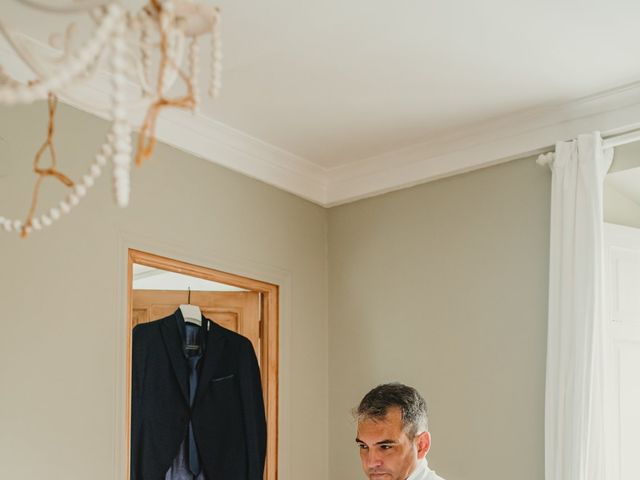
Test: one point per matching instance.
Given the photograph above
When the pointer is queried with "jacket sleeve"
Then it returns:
(253, 411)
(137, 362)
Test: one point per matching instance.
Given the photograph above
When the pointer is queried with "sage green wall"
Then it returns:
(62, 301)
(444, 286)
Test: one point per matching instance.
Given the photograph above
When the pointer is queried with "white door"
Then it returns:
(622, 315)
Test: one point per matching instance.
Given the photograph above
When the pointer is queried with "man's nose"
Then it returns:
(373, 459)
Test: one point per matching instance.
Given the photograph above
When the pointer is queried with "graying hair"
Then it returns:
(377, 402)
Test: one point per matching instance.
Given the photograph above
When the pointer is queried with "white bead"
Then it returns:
(87, 180)
(2, 219)
(123, 147)
(92, 48)
(64, 207)
(17, 225)
(122, 131)
(120, 175)
(54, 213)
(122, 196)
(95, 171)
(85, 56)
(106, 149)
(46, 221)
(35, 223)
(121, 159)
(7, 225)
(73, 199)
(101, 160)
(80, 190)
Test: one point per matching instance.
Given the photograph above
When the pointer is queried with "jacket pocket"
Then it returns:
(221, 379)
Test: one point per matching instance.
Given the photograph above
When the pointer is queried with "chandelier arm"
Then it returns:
(86, 5)
(67, 72)
(22, 51)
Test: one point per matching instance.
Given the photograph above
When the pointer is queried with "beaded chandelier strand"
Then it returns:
(128, 42)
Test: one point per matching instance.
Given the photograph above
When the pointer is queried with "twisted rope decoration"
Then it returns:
(147, 138)
(43, 173)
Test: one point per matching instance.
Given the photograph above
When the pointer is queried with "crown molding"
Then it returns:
(496, 141)
(197, 134)
(451, 152)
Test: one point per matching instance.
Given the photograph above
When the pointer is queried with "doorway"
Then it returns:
(156, 287)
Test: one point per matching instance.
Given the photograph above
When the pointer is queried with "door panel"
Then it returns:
(237, 311)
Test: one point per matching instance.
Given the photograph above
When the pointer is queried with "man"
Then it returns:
(392, 434)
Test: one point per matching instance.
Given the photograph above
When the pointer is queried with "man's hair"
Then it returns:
(376, 403)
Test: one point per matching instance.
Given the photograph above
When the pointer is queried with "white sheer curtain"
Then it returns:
(574, 409)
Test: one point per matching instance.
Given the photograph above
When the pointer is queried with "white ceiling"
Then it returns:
(337, 100)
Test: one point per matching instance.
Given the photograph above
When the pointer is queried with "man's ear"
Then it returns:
(423, 442)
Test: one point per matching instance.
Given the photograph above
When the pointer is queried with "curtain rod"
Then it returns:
(617, 140)
(609, 142)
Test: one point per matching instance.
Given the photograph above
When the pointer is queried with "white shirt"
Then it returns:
(422, 472)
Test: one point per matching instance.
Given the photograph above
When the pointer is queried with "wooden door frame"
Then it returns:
(269, 340)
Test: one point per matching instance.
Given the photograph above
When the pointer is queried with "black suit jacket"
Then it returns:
(227, 415)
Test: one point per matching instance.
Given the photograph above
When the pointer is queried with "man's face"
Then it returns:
(386, 452)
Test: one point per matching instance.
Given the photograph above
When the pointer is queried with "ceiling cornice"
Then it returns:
(466, 149)
(495, 141)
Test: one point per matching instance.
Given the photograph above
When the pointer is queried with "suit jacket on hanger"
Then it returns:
(228, 412)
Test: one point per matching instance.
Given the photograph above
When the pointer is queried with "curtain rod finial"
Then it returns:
(545, 159)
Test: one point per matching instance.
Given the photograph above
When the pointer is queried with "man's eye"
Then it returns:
(386, 447)
(362, 446)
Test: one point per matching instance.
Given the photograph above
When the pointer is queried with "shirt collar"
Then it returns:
(420, 471)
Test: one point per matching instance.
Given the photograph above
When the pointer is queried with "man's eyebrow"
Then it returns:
(383, 442)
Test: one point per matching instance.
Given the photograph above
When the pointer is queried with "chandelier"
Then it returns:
(155, 48)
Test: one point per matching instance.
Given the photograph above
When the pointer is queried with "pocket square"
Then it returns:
(220, 379)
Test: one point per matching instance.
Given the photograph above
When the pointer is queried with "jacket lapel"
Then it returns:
(173, 344)
(213, 356)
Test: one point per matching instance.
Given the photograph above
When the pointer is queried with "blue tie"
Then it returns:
(194, 461)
